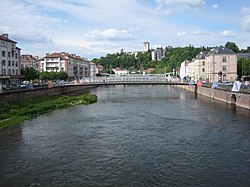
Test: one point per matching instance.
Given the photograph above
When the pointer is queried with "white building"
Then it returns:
(184, 69)
(10, 67)
(119, 71)
(157, 54)
(146, 46)
(92, 69)
(75, 66)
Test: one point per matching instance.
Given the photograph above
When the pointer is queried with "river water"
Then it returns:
(133, 136)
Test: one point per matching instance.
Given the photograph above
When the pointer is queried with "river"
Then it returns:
(133, 136)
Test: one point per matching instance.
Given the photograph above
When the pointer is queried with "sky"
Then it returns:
(93, 28)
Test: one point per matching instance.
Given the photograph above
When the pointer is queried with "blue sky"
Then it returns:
(93, 28)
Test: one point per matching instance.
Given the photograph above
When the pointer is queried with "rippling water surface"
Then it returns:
(133, 136)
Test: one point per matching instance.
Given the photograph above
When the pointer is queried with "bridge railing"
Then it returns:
(133, 78)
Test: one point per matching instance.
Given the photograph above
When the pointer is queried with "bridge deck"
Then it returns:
(138, 83)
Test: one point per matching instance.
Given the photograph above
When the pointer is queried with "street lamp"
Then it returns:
(242, 69)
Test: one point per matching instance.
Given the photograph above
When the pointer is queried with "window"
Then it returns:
(3, 44)
(3, 62)
(203, 63)
(9, 63)
(224, 68)
(3, 53)
(16, 55)
(9, 72)
(203, 69)
(13, 72)
(12, 63)
(4, 71)
(16, 72)
(224, 59)
(9, 54)
(16, 63)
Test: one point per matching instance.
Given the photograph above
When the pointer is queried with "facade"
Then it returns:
(184, 69)
(30, 61)
(157, 54)
(92, 70)
(75, 66)
(191, 70)
(147, 71)
(199, 67)
(221, 65)
(99, 69)
(146, 46)
(119, 71)
(10, 67)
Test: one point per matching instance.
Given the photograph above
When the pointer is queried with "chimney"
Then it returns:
(5, 35)
(47, 54)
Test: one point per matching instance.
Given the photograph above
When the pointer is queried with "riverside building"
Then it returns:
(75, 66)
(10, 67)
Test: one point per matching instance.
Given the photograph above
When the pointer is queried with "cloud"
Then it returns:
(215, 6)
(245, 20)
(227, 33)
(109, 35)
(184, 3)
(181, 34)
(191, 33)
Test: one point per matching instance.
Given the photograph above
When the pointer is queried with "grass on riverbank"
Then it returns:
(12, 113)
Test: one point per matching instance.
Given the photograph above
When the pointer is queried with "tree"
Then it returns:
(232, 46)
(29, 73)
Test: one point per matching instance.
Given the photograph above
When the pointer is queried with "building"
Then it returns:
(119, 71)
(10, 67)
(221, 65)
(146, 46)
(75, 66)
(99, 69)
(30, 61)
(199, 67)
(148, 71)
(184, 69)
(157, 54)
(92, 69)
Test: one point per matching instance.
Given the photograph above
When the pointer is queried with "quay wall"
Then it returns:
(26, 94)
(238, 98)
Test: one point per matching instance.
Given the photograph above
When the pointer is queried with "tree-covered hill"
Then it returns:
(173, 59)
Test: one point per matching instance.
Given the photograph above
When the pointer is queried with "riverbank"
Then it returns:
(240, 99)
(16, 112)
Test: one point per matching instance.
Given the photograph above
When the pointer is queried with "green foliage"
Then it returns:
(45, 75)
(30, 73)
(232, 46)
(16, 112)
(173, 59)
(243, 64)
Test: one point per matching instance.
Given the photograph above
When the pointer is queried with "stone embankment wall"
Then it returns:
(25, 94)
(239, 99)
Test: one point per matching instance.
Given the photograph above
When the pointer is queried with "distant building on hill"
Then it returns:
(146, 46)
(157, 54)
